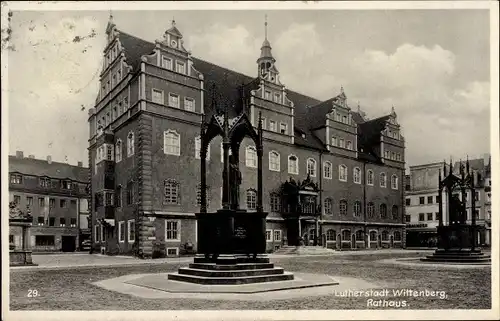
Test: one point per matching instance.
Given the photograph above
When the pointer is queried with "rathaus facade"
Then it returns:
(332, 177)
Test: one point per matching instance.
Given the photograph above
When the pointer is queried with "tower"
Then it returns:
(266, 63)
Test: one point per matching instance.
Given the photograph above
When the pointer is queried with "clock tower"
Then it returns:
(266, 62)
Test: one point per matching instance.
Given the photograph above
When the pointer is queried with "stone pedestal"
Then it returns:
(21, 254)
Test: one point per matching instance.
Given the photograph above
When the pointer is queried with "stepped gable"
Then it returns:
(230, 86)
(40, 167)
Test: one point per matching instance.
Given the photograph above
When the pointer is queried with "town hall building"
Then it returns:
(332, 177)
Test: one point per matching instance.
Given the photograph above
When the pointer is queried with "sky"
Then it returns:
(431, 65)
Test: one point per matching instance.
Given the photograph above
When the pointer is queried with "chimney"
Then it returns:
(19, 154)
(80, 164)
(49, 159)
(32, 156)
(486, 158)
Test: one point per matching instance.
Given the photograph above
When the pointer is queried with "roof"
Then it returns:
(39, 167)
(230, 88)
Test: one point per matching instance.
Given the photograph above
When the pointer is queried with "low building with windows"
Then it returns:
(332, 176)
(422, 203)
(56, 196)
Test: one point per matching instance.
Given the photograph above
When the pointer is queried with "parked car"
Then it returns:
(85, 245)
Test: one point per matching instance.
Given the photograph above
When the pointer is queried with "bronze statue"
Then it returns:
(234, 182)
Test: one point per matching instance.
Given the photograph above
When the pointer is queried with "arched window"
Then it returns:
(275, 202)
(394, 181)
(397, 236)
(346, 235)
(251, 156)
(328, 206)
(293, 165)
(130, 144)
(369, 177)
(383, 211)
(172, 143)
(357, 175)
(171, 191)
(383, 180)
(360, 235)
(311, 167)
(373, 236)
(118, 150)
(251, 199)
(343, 173)
(385, 236)
(274, 161)
(197, 149)
(357, 208)
(395, 212)
(370, 210)
(327, 170)
(330, 235)
(343, 207)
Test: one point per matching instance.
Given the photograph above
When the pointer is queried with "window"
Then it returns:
(357, 175)
(158, 96)
(357, 208)
(429, 199)
(277, 98)
(394, 182)
(346, 235)
(397, 236)
(385, 236)
(73, 222)
(277, 235)
(130, 144)
(370, 210)
(476, 214)
(29, 201)
(268, 235)
(172, 251)
(41, 202)
(407, 218)
(283, 128)
(171, 192)
(66, 185)
(421, 200)
(369, 177)
(421, 217)
(109, 152)
(349, 145)
(267, 95)
(166, 63)
(343, 207)
(383, 180)
(172, 143)
(275, 203)
(395, 212)
(408, 201)
(44, 240)
(272, 125)
(360, 235)
(341, 143)
(118, 195)
(343, 173)
(44, 182)
(264, 123)
(476, 196)
(63, 203)
(387, 154)
(121, 231)
(293, 165)
(330, 235)
(251, 157)
(251, 199)
(17, 199)
(62, 221)
(311, 167)
(52, 221)
(189, 104)
(52, 203)
(328, 206)
(429, 216)
(173, 100)
(334, 141)
(274, 161)
(41, 220)
(327, 170)
(197, 149)
(118, 150)
(172, 230)
(180, 67)
(383, 211)
(130, 193)
(108, 199)
(16, 179)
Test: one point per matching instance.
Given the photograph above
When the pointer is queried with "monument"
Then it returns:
(231, 241)
(19, 227)
(457, 240)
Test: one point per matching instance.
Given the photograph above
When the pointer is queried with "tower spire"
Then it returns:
(265, 26)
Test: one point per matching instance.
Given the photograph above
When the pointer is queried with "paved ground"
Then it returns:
(72, 288)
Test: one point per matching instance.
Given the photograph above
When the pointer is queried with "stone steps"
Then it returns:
(231, 274)
(458, 256)
(242, 266)
(230, 280)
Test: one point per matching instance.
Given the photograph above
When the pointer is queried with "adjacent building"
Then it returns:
(346, 171)
(56, 196)
(422, 203)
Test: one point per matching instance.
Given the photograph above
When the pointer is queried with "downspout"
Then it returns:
(319, 227)
(364, 206)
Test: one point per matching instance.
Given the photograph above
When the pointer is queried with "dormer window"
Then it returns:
(267, 95)
(344, 119)
(349, 145)
(180, 67)
(334, 141)
(277, 98)
(272, 125)
(166, 63)
(283, 128)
